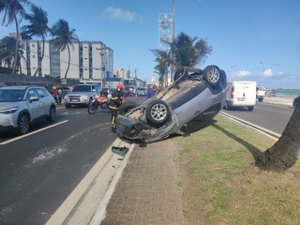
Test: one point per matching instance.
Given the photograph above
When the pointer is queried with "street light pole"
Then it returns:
(173, 31)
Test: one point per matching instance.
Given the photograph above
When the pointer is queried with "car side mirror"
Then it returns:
(33, 98)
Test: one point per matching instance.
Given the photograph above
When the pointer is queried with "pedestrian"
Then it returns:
(150, 93)
(55, 94)
(60, 95)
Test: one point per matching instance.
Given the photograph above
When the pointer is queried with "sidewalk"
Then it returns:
(279, 101)
(148, 191)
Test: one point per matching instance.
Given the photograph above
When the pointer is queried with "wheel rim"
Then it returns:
(214, 75)
(24, 124)
(159, 112)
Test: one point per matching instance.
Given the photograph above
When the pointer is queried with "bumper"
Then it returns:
(8, 121)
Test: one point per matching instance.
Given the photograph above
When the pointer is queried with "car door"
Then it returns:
(44, 101)
(34, 106)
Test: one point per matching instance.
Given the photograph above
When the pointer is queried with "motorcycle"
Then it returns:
(101, 101)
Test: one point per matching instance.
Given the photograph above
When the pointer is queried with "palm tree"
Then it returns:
(7, 49)
(12, 9)
(159, 69)
(38, 27)
(188, 51)
(164, 60)
(284, 153)
(63, 38)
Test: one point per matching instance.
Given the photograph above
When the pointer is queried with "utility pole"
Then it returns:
(173, 20)
(173, 31)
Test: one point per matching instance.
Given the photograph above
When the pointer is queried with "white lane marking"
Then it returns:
(31, 133)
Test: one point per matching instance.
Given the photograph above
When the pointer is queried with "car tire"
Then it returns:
(52, 114)
(250, 108)
(212, 74)
(67, 106)
(126, 106)
(23, 124)
(157, 112)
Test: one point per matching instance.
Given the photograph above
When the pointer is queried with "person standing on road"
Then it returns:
(55, 94)
(114, 102)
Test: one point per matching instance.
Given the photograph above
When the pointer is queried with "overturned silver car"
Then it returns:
(195, 94)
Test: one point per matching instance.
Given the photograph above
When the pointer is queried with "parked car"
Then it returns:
(20, 106)
(141, 91)
(107, 90)
(82, 94)
(196, 94)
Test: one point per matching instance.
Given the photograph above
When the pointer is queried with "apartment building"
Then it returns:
(90, 61)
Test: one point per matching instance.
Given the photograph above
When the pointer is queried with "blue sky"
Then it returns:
(251, 39)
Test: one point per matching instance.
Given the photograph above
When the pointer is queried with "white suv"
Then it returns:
(82, 94)
(20, 106)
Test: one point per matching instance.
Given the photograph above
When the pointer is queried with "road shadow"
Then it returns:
(251, 148)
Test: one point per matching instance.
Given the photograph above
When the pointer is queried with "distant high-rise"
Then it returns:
(89, 60)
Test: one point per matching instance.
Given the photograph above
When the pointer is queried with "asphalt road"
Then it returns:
(39, 171)
(270, 116)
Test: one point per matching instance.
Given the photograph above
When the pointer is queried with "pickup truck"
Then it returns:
(260, 93)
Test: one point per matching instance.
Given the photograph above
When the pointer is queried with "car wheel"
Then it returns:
(250, 108)
(23, 124)
(157, 112)
(67, 106)
(126, 106)
(52, 114)
(212, 74)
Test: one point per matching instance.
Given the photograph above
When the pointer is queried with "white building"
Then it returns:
(89, 61)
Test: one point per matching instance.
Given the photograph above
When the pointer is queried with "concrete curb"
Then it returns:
(80, 206)
(262, 130)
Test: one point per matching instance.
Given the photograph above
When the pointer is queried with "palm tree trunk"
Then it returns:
(69, 59)
(17, 46)
(166, 76)
(284, 153)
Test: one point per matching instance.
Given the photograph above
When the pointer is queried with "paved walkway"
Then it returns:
(148, 191)
(279, 101)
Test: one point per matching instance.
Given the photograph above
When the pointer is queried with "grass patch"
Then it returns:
(221, 184)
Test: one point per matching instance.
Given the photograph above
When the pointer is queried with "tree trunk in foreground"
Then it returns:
(284, 153)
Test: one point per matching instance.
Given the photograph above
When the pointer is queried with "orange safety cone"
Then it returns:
(123, 99)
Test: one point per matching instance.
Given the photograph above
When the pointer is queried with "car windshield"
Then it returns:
(11, 95)
(82, 88)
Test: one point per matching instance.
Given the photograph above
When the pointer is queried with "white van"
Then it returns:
(241, 94)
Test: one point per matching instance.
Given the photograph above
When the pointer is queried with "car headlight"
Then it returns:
(10, 110)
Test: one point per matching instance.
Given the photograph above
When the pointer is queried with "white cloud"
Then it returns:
(268, 73)
(120, 14)
(241, 73)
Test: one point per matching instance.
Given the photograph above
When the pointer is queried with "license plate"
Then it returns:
(74, 100)
(241, 99)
